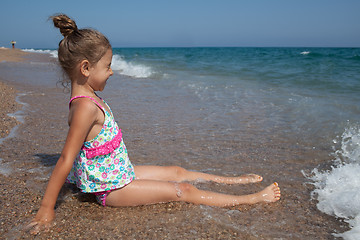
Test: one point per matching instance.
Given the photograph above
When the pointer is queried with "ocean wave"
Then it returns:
(118, 65)
(130, 69)
(53, 53)
(305, 52)
(338, 190)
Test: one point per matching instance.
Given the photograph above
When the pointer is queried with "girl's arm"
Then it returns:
(83, 117)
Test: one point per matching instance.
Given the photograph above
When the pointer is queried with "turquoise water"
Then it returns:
(304, 88)
(327, 69)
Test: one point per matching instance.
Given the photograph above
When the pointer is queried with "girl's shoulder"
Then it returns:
(83, 104)
(82, 110)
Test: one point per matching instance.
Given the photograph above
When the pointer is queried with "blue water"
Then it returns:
(326, 69)
(304, 88)
(269, 100)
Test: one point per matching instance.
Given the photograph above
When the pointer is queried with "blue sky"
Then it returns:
(189, 23)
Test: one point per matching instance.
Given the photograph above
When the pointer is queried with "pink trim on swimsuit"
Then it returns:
(104, 149)
(97, 103)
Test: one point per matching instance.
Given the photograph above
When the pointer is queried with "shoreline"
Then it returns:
(8, 106)
(9, 94)
(12, 55)
(33, 152)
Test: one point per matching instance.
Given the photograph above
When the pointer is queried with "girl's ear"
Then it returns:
(85, 68)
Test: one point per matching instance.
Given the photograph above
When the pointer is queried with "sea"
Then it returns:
(293, 114)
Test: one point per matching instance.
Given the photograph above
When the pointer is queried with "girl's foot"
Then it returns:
(270, 194)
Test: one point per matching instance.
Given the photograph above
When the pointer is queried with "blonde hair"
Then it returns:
(78, 44)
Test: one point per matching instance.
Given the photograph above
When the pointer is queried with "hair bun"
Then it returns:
(66, 25)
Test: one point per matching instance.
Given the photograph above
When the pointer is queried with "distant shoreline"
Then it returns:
(12, 55)
(8, 92)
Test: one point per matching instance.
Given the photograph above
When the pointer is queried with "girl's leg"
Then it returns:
(179, 174)
(142, 192)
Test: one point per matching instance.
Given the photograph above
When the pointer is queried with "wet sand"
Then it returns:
(29, 156)
(8, 93)
(12, 55)
(8, 106)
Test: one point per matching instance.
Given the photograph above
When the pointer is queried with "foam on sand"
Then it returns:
(338, 190)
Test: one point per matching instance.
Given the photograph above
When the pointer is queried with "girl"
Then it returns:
(94, 156)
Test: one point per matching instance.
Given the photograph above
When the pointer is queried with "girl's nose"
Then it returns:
(111, 72)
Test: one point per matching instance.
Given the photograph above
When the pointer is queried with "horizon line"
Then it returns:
(203, 47)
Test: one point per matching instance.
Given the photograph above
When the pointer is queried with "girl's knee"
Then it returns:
(184, 189)
(178, 171)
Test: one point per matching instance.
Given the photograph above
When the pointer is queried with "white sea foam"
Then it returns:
(338, 190)
(118, 65)
(130, 69)
(5, 168)
(53, 53)
(305, 53)
(18, 115)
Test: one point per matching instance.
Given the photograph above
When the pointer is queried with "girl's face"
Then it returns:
(100, 72)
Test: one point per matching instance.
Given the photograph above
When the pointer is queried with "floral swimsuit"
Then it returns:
(103, 163)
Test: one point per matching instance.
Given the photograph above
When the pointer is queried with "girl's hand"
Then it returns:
(43, 221)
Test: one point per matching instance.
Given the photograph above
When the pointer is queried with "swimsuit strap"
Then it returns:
(111, 113)
(98, 104)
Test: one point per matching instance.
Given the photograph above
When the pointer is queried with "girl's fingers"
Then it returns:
(35, 230)
(30, 225)
(35, 227)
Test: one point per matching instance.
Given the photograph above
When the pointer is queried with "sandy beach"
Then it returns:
(12, 55)
(28, 157)
(7, 99)
(8, 93)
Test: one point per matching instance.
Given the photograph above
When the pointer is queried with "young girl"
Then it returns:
(94, 156)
